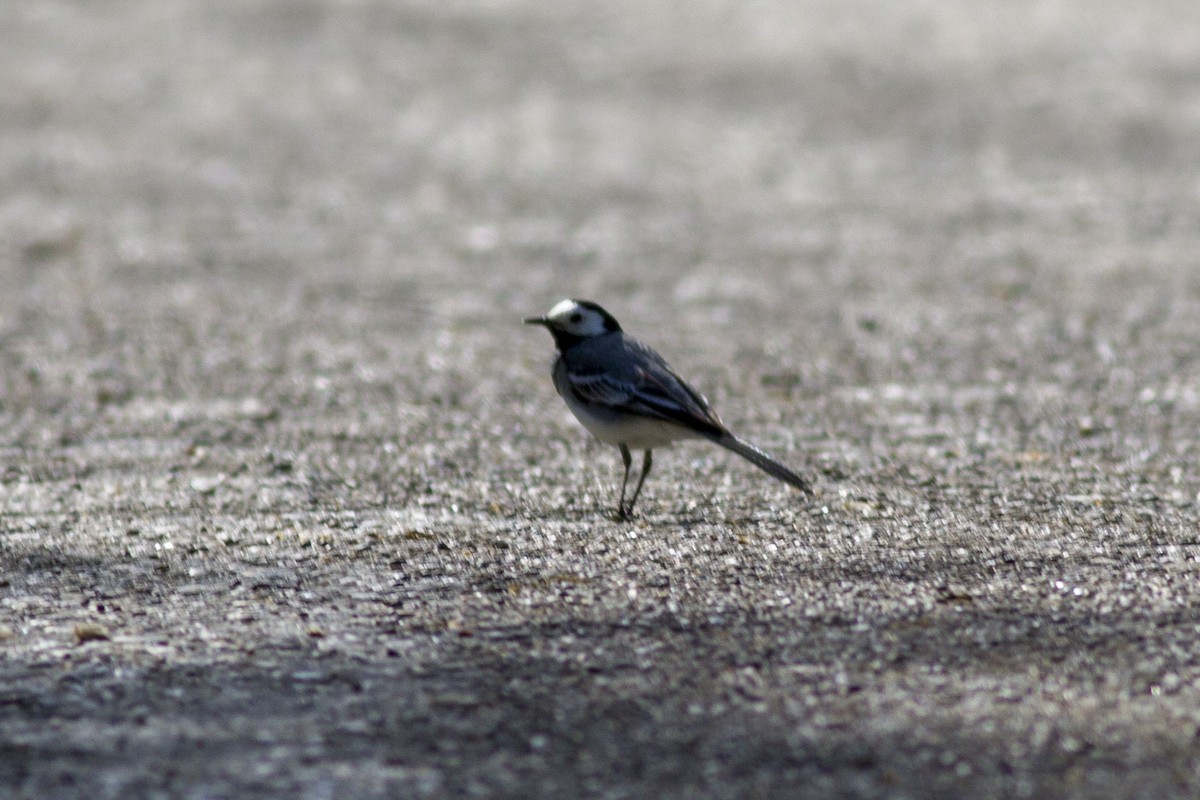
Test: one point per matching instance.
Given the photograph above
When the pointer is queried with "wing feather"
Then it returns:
(600, 389)
(651, 390)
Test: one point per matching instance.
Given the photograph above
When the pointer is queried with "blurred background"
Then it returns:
(483, 158)
(355, 201)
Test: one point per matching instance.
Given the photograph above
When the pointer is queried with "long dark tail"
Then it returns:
(761, 460)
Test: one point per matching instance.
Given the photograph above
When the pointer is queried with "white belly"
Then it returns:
(620, 428)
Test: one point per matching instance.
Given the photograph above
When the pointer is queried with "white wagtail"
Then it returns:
(627, 395)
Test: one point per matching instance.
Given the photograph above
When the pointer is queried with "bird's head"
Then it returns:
(571, 321)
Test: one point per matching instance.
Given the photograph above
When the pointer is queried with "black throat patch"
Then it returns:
(563, 340)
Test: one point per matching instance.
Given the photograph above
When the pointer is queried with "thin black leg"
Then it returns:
(627, 458)
(646, 463)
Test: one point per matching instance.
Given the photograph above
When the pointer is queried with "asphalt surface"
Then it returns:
(288, 505)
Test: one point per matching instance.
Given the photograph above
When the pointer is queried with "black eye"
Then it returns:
(577, 317)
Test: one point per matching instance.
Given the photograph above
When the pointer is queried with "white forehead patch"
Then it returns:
(563, 308)
(571, 317)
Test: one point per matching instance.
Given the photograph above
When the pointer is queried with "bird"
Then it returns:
(627, 395)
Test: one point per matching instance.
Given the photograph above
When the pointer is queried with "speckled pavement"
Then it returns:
(288, 505)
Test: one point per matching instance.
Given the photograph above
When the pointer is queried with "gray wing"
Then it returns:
(626, 375)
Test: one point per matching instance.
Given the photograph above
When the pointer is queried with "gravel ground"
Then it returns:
(288, 505)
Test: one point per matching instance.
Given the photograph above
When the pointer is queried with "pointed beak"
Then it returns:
(537, 321)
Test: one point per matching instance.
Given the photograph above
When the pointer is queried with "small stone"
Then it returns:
(207, 484)
(91, 632)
